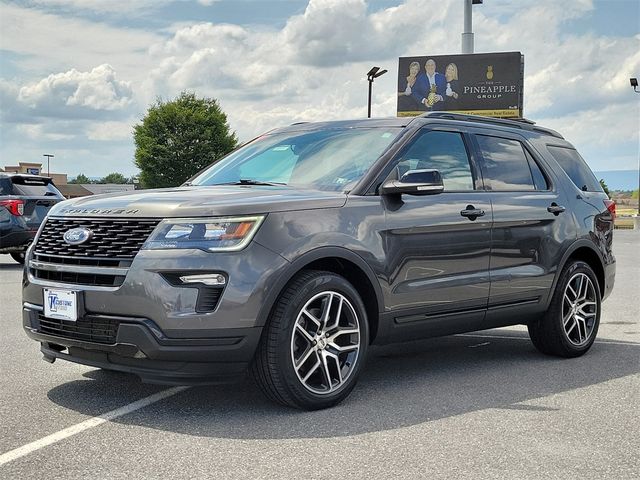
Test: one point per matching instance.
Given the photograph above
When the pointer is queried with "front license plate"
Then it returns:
(61, 304)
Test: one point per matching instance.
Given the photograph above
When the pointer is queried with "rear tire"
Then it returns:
(570, 325)
(18, 257)
(314, 344)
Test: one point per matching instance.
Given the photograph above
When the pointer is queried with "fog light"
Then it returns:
(211, 279)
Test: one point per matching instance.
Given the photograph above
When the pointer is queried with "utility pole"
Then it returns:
(467, 34)
(49, 157)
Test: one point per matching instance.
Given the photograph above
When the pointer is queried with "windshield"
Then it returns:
(332, 159)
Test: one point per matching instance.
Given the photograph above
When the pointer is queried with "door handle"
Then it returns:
(472, 212)
(555, 209)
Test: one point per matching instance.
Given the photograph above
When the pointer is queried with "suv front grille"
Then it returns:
(76, 278)
(103, 260)
(89, 329)
(112, 238)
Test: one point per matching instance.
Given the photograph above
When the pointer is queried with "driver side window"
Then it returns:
(443, 151)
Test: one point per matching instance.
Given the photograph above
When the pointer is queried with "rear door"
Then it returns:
(530, 226)
(437, 252)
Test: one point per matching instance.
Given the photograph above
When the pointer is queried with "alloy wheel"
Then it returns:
(579, 309)
(325, 342)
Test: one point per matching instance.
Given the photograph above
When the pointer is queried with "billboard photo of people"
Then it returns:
(483, 84)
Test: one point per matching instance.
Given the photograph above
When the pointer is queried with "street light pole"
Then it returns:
(49, 157)
(634, 85)
(374, 73)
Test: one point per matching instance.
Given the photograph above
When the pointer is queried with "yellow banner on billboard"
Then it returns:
(487, 113)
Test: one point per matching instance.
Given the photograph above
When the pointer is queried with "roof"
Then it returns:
(73, 190)
(360, 123)
(521, 124)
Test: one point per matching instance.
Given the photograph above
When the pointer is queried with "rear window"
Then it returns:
(505, 165)
(576, 168)
(33, 187)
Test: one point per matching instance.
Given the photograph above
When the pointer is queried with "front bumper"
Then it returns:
(162, 335)
(141, 348)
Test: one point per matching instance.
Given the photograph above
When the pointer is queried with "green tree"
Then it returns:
(634, 194)
(604, 187)
(114, 177)
(81, 178)
(178, 138)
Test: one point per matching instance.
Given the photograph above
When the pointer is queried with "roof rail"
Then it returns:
(521, 123)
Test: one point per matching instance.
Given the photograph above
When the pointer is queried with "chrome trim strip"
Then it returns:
(55, 267)
(33, 306)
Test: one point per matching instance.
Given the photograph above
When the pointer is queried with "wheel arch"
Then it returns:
(585, 251)
(338, 260)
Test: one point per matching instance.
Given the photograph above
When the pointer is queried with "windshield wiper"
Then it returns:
(249, 181)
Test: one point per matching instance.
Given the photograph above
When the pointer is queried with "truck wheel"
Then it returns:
(570, 325)
(314, 344)
(18, 257)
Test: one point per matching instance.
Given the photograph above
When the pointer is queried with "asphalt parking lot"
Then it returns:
(482, 405)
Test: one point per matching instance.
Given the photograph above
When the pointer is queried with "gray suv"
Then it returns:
(25, 201)
(293, 254)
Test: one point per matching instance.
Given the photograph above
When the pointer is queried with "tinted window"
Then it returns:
(539, 180)
(443, 151)
(576, 168)
(505, 165)
(33, 187)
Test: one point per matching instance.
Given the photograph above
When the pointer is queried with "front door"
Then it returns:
(438, 245)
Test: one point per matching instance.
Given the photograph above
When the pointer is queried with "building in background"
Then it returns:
(73, 190)
(69, 190)
(32, 168)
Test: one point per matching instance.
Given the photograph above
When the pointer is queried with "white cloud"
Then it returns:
(38, 132)
(98, 89)
(45, 43)
(120, 7)
(314, 67)
(110, 131)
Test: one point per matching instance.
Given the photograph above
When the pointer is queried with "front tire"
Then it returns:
(314, 344)
(570, 325)
(18, 257)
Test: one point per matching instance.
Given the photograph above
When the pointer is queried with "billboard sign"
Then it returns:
(483, 84)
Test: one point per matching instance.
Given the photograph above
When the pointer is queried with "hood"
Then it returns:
(200, 201)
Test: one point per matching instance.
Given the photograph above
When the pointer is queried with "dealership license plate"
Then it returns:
(61, 304)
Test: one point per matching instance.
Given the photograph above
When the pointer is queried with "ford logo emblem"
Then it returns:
(76, 236)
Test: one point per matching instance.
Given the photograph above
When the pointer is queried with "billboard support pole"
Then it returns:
(467, 34)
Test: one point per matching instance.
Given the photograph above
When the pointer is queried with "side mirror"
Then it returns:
(415, 182)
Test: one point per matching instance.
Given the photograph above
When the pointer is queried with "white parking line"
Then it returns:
(515, 337)
(87, 424)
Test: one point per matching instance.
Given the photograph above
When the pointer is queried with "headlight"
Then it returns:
(221, 234)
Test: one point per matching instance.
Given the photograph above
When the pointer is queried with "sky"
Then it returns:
(77, 75)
